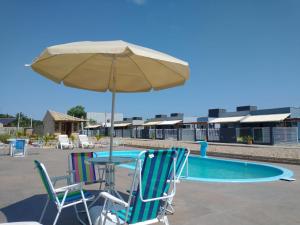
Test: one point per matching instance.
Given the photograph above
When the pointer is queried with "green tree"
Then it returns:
(25, 121)
(92, 122)
(77, 111)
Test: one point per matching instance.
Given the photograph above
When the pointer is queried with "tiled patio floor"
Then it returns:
(22, 196)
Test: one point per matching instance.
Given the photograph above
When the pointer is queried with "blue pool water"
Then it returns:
(219, 170)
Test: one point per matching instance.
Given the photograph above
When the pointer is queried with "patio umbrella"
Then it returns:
(115, 66)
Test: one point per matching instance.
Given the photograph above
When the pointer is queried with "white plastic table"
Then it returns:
(110, 170)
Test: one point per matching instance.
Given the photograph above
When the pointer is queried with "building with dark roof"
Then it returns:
(264, 125)
(6, 121)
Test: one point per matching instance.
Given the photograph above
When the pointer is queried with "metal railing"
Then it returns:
(201, 134)
(285, 135)
(258, 135)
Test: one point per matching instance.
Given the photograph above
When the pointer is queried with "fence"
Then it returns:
(170, 134)
(262, 135)
(258, 135)
(285, 135)
(201, 134)
(213, 134)
(187, 134)
(157, 134)
(10, 130)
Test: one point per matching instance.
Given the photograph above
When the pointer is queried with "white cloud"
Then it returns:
(138, 2)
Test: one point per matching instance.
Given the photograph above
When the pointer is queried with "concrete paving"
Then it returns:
(22, 195)
(278, 154)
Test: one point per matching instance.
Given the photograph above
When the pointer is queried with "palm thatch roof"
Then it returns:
(57, 116)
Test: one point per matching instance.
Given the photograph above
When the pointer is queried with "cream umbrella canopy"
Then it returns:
(115, 66)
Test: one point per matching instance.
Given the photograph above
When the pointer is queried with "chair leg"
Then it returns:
(77, 215)
(169, 206)
(94, 201)
(57, 215)
(44, 210)
(86, 208)
(166, 221)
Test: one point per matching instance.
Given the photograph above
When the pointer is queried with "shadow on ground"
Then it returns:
(31, 208)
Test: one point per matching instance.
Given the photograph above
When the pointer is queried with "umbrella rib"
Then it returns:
(141, 71)
(41, 60)
(157, 61)
(76, 67)
(110, 74)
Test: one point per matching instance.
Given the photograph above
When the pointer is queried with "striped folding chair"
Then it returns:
(63, 197)
(152, 173)
(181, 163)
(82, 172)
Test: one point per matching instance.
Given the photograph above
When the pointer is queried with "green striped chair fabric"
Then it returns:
(46, 180)
(154, 175)
(73, 196)
(182, 153)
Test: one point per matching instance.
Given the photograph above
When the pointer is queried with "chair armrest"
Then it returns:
(71, 187)
(71, 171)
(114, 199)
(59, 178)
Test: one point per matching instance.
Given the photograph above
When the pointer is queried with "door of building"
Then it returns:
(69, 129)
(228, 135)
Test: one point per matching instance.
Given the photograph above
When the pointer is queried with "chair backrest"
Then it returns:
(19, 146)
(46, 180)
(182, 159)
(63, 138)
(153, 176)
(82, 172)
(83, 138)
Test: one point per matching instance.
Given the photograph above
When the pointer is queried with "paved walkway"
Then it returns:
(283, 154)
(271, 203)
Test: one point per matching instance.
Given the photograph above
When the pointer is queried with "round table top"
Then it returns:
(117, 160)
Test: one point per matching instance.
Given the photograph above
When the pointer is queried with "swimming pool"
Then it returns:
(221, 170)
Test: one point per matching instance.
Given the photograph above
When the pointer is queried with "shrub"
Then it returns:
(98, 137)
(72, 137)
(4, 137)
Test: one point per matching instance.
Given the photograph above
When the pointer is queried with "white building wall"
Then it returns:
(103, 117)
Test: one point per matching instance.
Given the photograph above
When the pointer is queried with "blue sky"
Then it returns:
(240, 52)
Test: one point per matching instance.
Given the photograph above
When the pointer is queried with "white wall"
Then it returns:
(103, 117)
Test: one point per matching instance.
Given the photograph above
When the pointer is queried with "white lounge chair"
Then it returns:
(64, 142)
(18, 148)
(84, 142)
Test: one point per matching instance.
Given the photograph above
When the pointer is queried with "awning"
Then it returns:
(233, 119)
(92, 126)
(265, 118)
(152, 123)
(169, 122)
(122, 124)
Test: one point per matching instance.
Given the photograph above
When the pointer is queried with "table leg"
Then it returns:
(110, 180)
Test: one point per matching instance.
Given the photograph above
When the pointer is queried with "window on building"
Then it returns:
(75, 127)
(63, 128)
(56, 128)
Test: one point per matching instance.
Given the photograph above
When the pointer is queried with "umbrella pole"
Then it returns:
(112, 118)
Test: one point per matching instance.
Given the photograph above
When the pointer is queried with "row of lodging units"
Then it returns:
(246, 124)
(261, 126)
